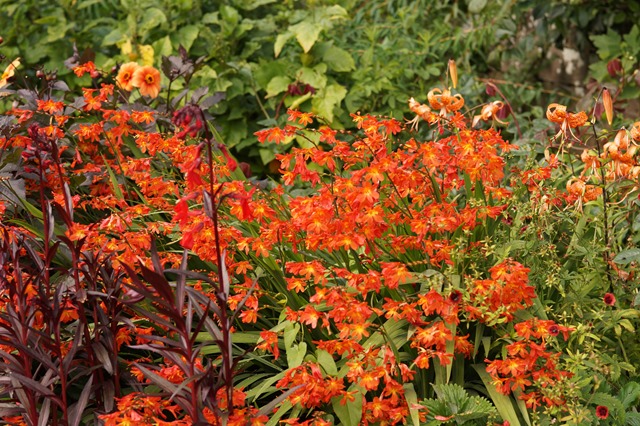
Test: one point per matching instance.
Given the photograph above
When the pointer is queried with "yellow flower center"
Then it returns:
(149, 79)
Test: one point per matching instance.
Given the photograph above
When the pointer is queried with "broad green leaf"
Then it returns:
(115, 36)
(627, 256)
(338, 59)
(277, 85)
(315, 77)
(350, 413)
(326, 362)
(476, 6)
(152, 18)
(186, 36)
(281, 39)
(327, 99)
(608, 45)
(306, 33)
(296, 354)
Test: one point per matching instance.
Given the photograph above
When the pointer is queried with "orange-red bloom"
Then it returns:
(147, 80)
(125, 75)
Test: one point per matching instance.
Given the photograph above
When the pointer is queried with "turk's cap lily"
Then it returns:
(489, 112)
(444, 101)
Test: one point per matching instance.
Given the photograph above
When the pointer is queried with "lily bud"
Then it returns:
(453, 73)
(608, 105)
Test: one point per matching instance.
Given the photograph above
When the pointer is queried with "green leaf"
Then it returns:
(281, 39)
(350, 413)
(315, 77)
(153, 17)
(503, 403)
(608, 45)
(277, 85)
(475, 6)
(627, 256)
(186, 36)
(412, 399)
(296, 354)
(327, 99)
(326, 362)
(115, 36)
(306, 33)
(338, 59)
(629, 395)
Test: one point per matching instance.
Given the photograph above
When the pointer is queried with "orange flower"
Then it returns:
(557, 113)
(147, 79)
(125, 75)
(444, 101)
(9, 71)
(488, 112)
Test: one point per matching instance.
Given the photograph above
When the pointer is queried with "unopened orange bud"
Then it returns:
(453, 73)
(608, 105)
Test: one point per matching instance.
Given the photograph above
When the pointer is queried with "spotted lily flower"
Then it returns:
(557, 113)
(444, 101)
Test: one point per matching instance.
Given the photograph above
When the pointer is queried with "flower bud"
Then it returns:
(608, 105)
(453, 73)
(614, 67)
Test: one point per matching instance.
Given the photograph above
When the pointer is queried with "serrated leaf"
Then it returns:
(306, 33)
(338, 59)
(277, 85)
(327, 99)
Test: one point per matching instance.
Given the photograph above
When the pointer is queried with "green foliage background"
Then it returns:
(357, 55)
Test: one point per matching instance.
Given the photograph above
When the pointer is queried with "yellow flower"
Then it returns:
(147, 79)
(9, 71)
(125, 75)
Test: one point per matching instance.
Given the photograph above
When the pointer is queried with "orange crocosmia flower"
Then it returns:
(147, 80)
(125, 75)
(9, 72)
(444, 101)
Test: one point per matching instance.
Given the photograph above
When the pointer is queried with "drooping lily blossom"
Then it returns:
(489, 112)
(444, 101)
(9, 72)
(421, 111)
(557, 113)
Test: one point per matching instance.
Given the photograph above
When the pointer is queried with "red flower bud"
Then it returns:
(614, 67)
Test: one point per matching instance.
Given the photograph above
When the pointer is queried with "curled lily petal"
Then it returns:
(444, 101)
(635, 131)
